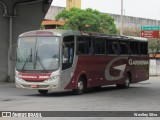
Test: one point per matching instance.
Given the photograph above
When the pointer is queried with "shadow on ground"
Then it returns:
(89, 91)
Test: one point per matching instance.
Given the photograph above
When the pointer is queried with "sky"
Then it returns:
(138, 8)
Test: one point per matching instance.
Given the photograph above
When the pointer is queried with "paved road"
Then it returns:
(139, 97)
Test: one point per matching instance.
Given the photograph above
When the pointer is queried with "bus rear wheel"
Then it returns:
(126, 83)
(80, 87)
(43, 92)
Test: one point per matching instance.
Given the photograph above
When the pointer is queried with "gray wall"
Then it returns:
(53, 11)
(4, 44)
(154, 67)
(130, 21)
(29, 17)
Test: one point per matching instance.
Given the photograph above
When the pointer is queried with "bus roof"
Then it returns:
(58, 32)
(137, 38)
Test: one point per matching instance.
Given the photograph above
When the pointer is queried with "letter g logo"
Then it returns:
(120, 67)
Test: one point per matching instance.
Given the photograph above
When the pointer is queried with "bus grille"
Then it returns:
(35, 80)
(39, 86)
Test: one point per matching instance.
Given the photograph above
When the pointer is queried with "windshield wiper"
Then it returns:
(29, 58)
(37, 59)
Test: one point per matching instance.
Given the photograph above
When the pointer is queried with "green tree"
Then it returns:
(42, 27)
(87, 20)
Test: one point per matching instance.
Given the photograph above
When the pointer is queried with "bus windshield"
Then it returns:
(38, 53)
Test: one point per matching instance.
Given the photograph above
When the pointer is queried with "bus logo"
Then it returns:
(120, 67)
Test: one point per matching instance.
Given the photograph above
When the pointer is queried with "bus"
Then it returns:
(67, 60)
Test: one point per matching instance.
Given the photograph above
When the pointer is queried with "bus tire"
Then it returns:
(126, 83)
(80, 87)
(43, 91)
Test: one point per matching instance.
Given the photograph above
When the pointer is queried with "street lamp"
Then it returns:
(121, 29)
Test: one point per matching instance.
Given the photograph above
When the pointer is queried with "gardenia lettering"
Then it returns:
(138, 62)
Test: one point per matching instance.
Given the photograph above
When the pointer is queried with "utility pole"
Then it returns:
(73, 3)
(121, 28)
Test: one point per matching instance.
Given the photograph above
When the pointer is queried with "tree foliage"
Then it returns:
(87, 20)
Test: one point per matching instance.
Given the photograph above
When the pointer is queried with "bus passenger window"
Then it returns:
(84, 45)
(124, 49)
(143, 48)
(99, 46)
(113, 48)
(134, 46)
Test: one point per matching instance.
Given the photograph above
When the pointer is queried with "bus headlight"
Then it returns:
(53, 78)
(17, 76)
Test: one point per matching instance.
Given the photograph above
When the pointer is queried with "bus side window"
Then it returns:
(68, 52)
(135, 48)
(99, 46)
(110, 51)
(143, 48)
(84, 46)
(124, 48)
(113, 47)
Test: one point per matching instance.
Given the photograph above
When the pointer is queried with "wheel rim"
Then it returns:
(127, 81)
(80, 85)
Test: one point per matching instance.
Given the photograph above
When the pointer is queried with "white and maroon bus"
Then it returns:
(59, 60)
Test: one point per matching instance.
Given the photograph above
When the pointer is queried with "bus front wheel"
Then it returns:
(43, 91)
(80, 87)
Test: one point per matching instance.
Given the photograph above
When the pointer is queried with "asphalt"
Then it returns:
(143, 96)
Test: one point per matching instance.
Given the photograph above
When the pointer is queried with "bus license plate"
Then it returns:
(34, 86)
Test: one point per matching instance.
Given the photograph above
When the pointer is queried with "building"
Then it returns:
(52, 24)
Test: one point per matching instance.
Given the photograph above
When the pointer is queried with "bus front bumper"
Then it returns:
(53, 85)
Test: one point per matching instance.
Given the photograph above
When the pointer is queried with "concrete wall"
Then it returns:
(128, 20)
(154, 68)
(53, 11)
(28, 17)
(4, 44)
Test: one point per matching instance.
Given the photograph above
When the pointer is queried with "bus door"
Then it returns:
(67, 59)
